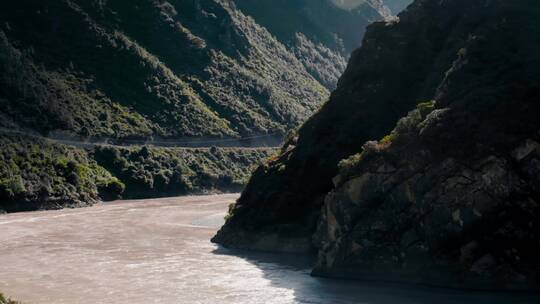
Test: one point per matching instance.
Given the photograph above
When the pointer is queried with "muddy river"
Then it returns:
(158, 251)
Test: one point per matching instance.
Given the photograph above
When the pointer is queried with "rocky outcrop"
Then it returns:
(450, 195)
(399, 65)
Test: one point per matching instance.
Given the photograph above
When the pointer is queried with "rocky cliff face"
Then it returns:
(450, 196)
(399, 65)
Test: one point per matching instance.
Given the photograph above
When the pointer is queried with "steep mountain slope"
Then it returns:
(154, 71)
(155, 68)
(454, 188)
(319, 33)
(451, 195)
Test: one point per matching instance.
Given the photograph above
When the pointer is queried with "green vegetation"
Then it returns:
(95, 70)
(154, 172)
(4, 300)
(406, 126)
(38, 174)
(230, 211)
(35, 174)
(104, 75)
(320, 34)
(348, 164)
(388, 139)
(426, 107)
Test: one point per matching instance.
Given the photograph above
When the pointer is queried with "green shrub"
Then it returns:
(178, 171)
(12, 186)
(111, 189)
(273, 157)
(388, 139)
(36, 173)
(230, 211)
(349, 163)
(426, 107)
(4, 300)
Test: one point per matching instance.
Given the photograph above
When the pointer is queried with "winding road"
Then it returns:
(256, 142)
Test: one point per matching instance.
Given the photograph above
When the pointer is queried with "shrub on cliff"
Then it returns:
(110, 189)
(4, 300)
(153, 171)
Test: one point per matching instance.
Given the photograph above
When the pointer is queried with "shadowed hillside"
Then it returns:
(320, 34)
(424, 164)
(170, 69)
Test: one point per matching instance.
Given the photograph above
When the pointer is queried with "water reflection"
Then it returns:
(293, 272)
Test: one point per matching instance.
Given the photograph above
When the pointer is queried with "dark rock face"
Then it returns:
(450, 196)
(399, 65)
(454, 188)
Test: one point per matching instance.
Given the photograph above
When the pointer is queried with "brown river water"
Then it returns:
(158, 251)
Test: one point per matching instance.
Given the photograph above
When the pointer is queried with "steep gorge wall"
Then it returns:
(399, 65)
(450, 196)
